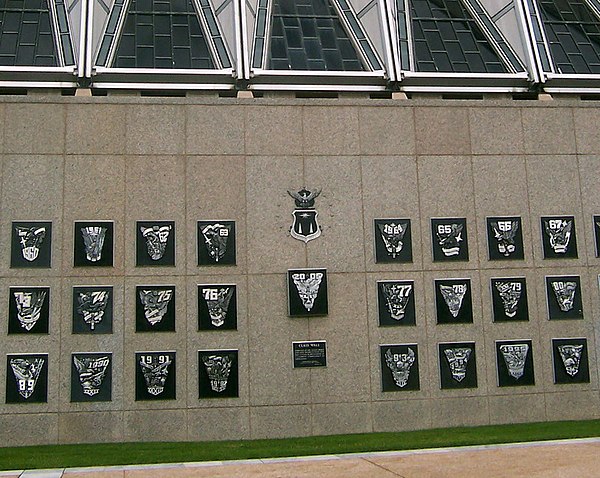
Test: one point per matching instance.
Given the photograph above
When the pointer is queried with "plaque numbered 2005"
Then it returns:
(218, 374)
(307, 292)
(155, 376)
(27, 378)
(309, 354)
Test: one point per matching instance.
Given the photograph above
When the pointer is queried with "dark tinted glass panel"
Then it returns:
(25, 34)
(574, 36)
(447, 39)
(162, 34)
(308, 35)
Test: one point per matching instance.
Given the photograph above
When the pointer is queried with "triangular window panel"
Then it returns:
(308, 35)
(26, 37)
(447, 39)
(573, 32)
(162, 34)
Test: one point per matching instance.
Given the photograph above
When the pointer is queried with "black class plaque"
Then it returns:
(155, 376)
(563, 295)
(505, 238)
(453, 301)
(155, 243)
(307, 292)
(514, 361)
(509, 299)
(449, 239)
(218, 375)
(27, 378)
(93, 244)
(28, 310)
(31, 244)
(399, 367)
(393, 242)
(216, 243)
(92, 309)
(91, 377)
(570, 359)
(558, 237)
(310, 354)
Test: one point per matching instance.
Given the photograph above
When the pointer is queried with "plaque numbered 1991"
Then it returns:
(27, 378)
(155, 376)
(307, 292)
(514, 362)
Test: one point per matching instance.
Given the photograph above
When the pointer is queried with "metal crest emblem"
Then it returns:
(27, 372)
(393, 234)
(449, 237)
(453, 296)
(307, 285)
(559, 232)
(155, 302)
(155, 368)
(29, 307)
(217, 300)
(457, 359)
(30, 239)
(510, 293)
(397, 296)
(564, 292)
(305, 226)
(215, 238)
(571, 357)
(218, 368)
(400, 364)
(91, 372)
(93, 239)
(92, 305)
(504, 233)
(515, 356)
(156, 240)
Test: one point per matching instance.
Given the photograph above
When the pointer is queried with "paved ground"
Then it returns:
(565, 458)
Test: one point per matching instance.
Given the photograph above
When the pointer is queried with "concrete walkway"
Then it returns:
(564, 458)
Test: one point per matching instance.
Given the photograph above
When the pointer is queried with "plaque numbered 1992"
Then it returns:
(218, 374)
(514, 362)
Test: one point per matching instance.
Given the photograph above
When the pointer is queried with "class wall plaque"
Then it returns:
(310, 354)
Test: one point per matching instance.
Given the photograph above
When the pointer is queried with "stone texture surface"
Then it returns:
(185, 160)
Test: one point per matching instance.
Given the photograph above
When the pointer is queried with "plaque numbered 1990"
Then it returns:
(91, 377)
(514, 362)
(27, 378)
(399, 367)
(570, 359)
(218, 374)
(155, 376)
(307, 292)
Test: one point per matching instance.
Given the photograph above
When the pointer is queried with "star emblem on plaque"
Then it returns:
(395, 301)
(27, 378)
(558, 237)
(31, 244)
(564, 297)
(305, 226)
(570, 359)
(450, 241)
(307, 292)
(514, 360)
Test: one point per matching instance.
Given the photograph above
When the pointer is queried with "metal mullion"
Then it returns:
(118, 31)
(207, 33)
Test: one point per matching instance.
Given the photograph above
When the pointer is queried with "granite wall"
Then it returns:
(126, 159)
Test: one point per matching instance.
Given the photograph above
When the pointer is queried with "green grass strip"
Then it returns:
(64, 456)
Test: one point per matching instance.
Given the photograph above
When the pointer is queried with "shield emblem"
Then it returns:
(305, 227)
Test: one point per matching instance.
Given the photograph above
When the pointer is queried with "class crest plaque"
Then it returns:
(305, 226)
